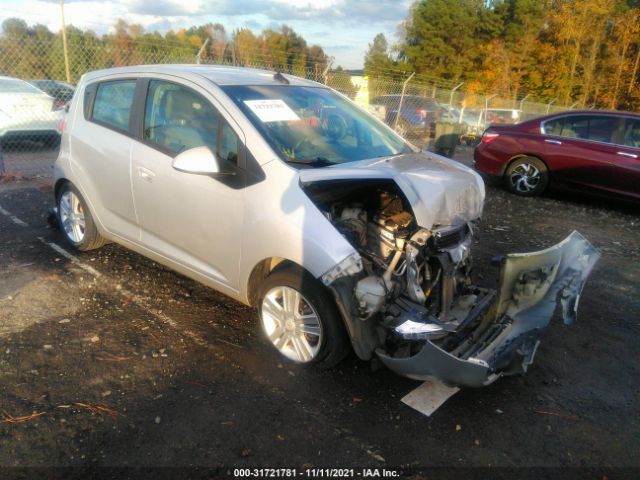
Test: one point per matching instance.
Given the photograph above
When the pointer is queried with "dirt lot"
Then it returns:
(125, 363)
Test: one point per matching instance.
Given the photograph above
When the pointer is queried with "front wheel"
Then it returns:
(75, 220)
(300, 318)
(527, 176)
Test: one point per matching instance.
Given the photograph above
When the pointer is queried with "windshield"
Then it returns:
(314, 127)
(9, 85)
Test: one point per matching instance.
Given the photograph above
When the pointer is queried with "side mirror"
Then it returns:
(201, 161)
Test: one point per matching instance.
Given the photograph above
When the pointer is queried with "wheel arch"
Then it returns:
(508, 163)
(262, 270)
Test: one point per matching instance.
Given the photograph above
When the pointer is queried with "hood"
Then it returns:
(441, 192)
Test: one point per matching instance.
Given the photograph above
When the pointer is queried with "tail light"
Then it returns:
(422, 112)
(63, 123)
(489, 137)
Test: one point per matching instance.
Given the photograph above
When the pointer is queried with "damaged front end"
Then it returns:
(407, 297)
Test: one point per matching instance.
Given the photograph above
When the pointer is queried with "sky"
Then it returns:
(343, 28)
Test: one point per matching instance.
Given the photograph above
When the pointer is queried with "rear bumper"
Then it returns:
(504, 339)
(487, 163)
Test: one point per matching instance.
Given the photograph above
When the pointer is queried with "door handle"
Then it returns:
(146, 174)
(555, 142)
(625, 154)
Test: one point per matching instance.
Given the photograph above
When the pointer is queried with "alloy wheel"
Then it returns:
(525, 177)
(72, 216)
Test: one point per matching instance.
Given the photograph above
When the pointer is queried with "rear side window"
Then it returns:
(631, 133)
(587, 127)
(112, 105)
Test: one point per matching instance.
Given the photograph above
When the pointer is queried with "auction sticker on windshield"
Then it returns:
(272, 110)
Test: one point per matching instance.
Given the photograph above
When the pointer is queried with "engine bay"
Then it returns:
(415, 282)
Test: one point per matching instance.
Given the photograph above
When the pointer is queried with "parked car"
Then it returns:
(417, 116)
(590, 150)
(477, 121)
(27, 113)
(282, 194)
(61, 91)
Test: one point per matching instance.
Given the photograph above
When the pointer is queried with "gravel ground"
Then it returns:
(125, 363)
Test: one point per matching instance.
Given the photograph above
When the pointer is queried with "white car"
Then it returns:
(27, 113)
(285, 195)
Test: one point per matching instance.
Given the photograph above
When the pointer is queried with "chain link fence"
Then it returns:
(36, 86)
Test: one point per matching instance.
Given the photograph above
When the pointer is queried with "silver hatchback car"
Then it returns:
(283, 194)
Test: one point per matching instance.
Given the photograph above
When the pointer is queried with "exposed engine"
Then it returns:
(417, 279)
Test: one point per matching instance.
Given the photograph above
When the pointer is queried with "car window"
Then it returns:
(10, 85)
(553, 126)
(178, 119)
(631, 133)
(599, 128)
(113, 102)
(602, 128)
(228, 147)
(314, 127)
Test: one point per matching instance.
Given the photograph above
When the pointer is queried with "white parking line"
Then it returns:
(142, 303)
(134, 298)
(13, 218)
(426, 399)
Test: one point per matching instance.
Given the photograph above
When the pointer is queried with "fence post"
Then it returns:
(522, 101)
(325, 73)
(204, 45)
(551, 103)
(404, 87)
(452, 92)
(572, 106)
(65, 51)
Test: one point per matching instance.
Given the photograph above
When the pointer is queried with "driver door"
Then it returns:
(192, 220)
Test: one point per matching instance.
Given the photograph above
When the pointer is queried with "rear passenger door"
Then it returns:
(102, 143)
(579, 149)
(194, 221)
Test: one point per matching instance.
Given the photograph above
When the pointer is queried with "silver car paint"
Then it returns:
(220, 236)
(270, 219)
(440, 191)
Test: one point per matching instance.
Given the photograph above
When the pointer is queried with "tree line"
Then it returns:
(36, 52)
(582, 52)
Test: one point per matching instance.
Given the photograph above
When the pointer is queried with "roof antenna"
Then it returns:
(280, 78)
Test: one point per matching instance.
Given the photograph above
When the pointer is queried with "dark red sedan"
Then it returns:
(594, 150)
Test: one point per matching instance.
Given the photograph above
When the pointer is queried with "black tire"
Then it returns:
(91, 238)
(334, 343)
(526, 176)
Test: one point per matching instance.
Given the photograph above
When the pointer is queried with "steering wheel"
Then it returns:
(335, 126)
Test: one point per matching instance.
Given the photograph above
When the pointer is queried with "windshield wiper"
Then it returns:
(316, 162)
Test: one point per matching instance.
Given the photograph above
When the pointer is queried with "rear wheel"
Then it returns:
(300, 318)
(527, 176)
(75, 220)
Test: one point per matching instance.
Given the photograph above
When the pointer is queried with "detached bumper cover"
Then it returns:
(505, 340)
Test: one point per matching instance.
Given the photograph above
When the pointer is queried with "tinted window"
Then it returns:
(631, 134)
(178, 119)
(554, 126)
(587, 127)
(113, 103)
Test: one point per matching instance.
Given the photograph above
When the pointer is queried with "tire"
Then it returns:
(75, 220)
(325, 343)
(526, 176)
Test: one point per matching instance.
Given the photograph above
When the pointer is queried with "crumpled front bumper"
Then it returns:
(504, 341)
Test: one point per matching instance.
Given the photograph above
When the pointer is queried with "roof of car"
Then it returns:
(220, 75)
